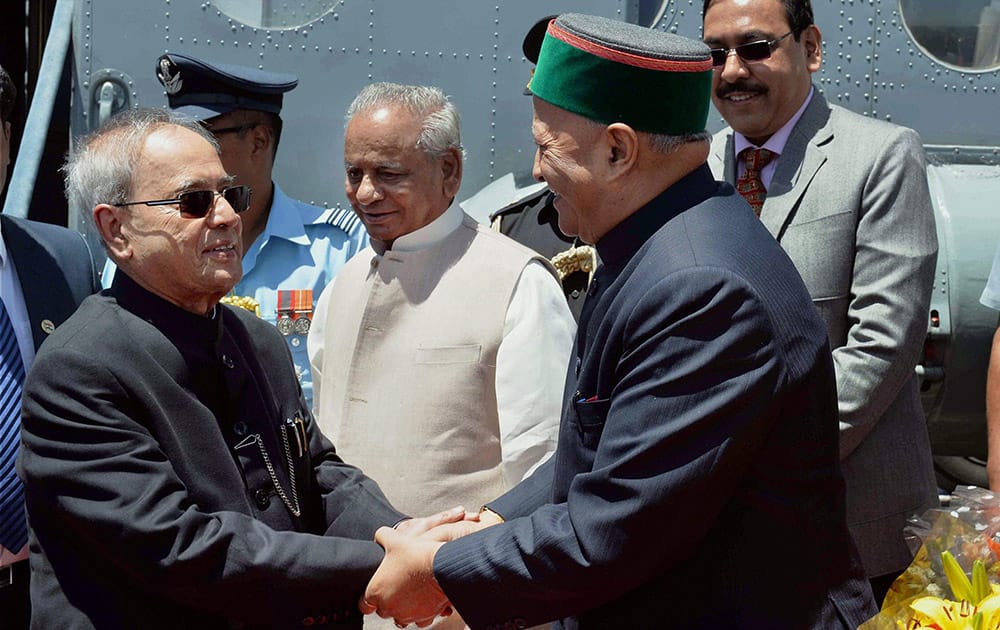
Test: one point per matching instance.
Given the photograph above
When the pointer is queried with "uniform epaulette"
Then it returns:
(519, 204)
(344, 218)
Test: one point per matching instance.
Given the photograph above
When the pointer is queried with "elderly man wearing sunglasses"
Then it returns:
(174, 477)
(846, 196)
(291, 249)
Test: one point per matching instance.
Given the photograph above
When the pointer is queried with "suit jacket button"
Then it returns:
(262, 498)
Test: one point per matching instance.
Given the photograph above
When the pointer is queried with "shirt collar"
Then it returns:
(281, 223)
(432, 233)
(776, 143)
(625, 239)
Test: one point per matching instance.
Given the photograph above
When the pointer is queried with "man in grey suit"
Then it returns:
(847, 198)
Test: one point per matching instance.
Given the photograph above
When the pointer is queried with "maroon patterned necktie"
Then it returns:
(749, 185)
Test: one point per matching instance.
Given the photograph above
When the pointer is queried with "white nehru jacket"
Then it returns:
(439, 365)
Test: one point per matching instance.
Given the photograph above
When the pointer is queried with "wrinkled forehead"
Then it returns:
(382, 133)
(549, 120)
(178, 158)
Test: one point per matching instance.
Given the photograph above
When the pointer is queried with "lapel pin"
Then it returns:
(47, 326)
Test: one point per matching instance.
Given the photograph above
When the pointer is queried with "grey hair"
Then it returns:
(8, 96)
(441, 126)
(667, 144)
(662, 143)
(100, 167)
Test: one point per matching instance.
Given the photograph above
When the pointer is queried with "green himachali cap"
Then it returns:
(611, 71)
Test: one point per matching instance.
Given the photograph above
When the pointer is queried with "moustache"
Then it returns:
(725, 89)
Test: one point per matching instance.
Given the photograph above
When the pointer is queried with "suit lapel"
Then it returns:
(36, 271)
(799, 162)
(728, 158)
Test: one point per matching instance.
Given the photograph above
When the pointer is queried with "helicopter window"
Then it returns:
(964, 34)
(276, 14)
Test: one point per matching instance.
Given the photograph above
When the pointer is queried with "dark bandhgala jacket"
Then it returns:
(174, 477)
(696, 483)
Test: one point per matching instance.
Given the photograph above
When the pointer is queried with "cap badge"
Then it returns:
(169, 75)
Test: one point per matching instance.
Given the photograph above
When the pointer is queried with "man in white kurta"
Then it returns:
(440, 352)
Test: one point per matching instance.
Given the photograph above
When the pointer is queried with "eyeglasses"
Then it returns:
(237, 129)
(751, 51)
(196, 203)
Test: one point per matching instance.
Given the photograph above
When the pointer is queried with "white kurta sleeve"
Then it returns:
(531, 371)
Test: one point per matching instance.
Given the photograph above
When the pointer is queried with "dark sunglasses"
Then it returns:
(751, 51)
(196, 203)
(237, 129)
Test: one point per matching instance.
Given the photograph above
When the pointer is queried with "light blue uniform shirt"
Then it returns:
(302, 247)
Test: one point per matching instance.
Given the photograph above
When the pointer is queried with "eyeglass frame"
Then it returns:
(179, 199)
(236, 129)
(771, 46)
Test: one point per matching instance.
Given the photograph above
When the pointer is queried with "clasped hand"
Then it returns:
(404, 586)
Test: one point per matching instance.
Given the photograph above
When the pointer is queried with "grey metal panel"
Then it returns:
(946, 105)
(848, 66)
(965, 200)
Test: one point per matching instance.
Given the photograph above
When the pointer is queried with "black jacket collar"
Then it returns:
(625, 239)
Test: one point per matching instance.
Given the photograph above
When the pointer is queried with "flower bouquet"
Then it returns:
(953, 582)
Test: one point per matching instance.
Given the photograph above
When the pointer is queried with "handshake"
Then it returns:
(404, 586)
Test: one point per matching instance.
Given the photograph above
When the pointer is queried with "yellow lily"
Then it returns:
(989, 608)
(978, 608)
(960, 585)
(943, 614)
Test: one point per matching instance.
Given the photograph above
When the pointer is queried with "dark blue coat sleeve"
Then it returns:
(695, 374)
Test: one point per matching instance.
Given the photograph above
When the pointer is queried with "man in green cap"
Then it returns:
(696, 482)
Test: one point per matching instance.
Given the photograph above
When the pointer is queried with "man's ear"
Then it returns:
(263, 140)
(812, 40)
(623, 148)
(451, 169)
(108, 220)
